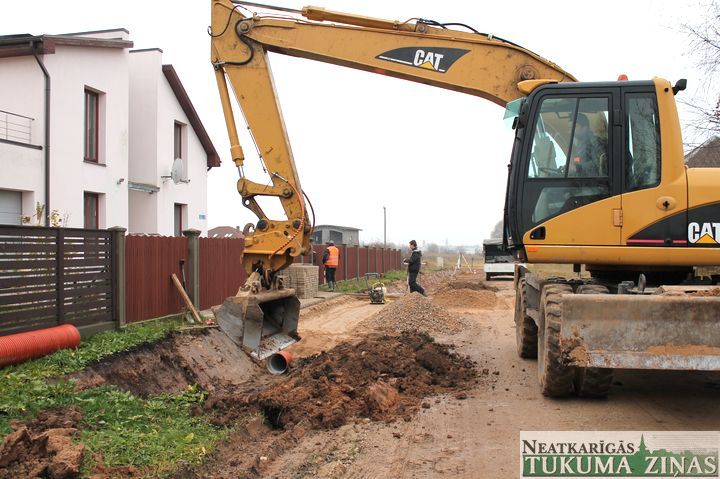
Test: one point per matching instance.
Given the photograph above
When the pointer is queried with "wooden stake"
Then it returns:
(185, 298)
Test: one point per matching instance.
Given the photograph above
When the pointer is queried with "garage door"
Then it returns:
(10, 207)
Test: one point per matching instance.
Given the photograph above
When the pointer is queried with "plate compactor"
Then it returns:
(378, 293)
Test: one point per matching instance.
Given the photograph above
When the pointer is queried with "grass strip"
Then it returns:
(157, 433)
(363, 285)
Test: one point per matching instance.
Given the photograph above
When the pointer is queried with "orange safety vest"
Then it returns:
(333, 257)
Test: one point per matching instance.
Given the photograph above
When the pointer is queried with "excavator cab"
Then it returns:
(588, 174)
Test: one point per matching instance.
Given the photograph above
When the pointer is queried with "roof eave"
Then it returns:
(213, 159)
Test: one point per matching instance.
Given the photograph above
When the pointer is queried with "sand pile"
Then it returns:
(466, 298)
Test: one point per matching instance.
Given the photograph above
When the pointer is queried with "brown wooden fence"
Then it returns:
(149, 262)
(51, 276)
(221, 273)
(98, 279)
(355, 261)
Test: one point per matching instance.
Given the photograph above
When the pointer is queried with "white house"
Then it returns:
(90, 130)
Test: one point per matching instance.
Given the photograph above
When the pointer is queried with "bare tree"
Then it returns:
(705, 48)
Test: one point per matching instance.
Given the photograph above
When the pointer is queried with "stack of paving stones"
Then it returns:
(303, 278)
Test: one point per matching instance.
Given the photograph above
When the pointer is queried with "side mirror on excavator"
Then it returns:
(679, 86)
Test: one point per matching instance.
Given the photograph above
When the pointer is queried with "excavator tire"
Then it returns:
(593, 382)
(526, 330)
(556, 379)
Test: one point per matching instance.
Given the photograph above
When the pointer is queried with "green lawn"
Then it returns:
(157, 432)
(361, 285)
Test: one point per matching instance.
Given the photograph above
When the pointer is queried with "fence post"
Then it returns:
(60, 275)
(345, 263)
(193, 280)
(118, 266)
(357, 261)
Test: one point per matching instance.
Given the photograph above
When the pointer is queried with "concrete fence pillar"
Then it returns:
(193, 279)
(118, 268)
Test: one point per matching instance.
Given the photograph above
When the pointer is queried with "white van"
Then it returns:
(498, 261)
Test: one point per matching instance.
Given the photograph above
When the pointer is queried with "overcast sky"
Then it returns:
(436, 159)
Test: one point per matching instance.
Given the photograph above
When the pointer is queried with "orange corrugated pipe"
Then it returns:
(16, 348)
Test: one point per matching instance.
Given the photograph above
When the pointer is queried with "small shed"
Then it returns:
(346, 235)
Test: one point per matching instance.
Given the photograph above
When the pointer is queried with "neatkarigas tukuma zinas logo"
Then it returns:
(613, 459)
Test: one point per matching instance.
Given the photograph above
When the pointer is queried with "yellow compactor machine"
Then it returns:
(596, 178)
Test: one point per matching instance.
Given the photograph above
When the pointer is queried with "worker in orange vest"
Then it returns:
(331, 259)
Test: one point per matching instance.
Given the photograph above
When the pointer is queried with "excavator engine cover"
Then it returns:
(261, 323)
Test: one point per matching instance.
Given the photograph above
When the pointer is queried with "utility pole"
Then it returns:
(384, 236)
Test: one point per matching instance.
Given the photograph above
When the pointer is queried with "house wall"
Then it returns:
(138, 110)
(23, 168)
(144, 77)
(194, 193)
(72, 69)
(143, 165)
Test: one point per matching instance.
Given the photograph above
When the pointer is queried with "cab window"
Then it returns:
(570, 139)
(569, 160)
(642, 156)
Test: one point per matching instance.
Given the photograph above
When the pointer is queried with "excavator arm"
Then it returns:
(418, 50)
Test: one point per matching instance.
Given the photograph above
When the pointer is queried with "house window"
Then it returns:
(91, 201)
(92, 124)
(179, 213)
(178, 140)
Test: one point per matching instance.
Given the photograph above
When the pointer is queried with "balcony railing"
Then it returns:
(15, 127)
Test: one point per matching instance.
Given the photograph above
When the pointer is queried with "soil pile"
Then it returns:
(706, 292)
(382, 378)
(207, 358)
(43, 447)
(462, 283)
(466, 298)
(414, 312)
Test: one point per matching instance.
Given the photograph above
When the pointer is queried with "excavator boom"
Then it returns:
(418, 50)
(263, 320)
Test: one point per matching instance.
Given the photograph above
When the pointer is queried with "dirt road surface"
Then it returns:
(478, 436)
(371, 395)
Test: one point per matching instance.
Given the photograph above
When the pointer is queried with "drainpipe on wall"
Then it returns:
(47, 133)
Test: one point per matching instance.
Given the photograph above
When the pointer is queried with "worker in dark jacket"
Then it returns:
(414, 268)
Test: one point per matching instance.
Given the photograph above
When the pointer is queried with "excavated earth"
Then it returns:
(381, 377)
(370, 395)
(43, 447)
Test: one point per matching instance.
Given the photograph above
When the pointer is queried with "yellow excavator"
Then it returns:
(596, 178)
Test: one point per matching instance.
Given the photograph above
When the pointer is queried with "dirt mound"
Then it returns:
(43, 447)
(478, 285)
(706, 292)
(466, 298)
(207, 358)
(381, 378)
(414, 312)
(54, 418)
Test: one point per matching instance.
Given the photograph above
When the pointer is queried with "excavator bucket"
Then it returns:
(261, 323)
